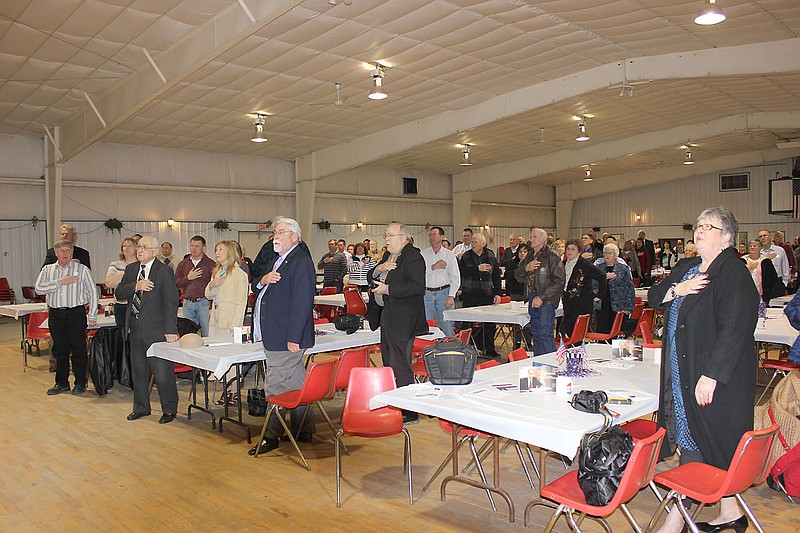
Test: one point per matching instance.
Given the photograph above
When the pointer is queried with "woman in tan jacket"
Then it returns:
(227, 291)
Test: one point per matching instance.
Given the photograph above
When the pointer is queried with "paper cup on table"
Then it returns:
(652, 354)
(513, 304)
(564, 386)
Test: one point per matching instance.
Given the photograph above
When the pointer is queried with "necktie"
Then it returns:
(136, 302)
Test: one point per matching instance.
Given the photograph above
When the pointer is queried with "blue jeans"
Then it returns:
(197, 312)
(543, 323)
(435, 302)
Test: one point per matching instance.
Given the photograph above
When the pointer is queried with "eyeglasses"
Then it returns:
(705, 227)
(764, 235)
(283, 232)
(387, 235)
(141, 247)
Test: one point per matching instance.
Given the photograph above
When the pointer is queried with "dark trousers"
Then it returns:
(604, 318)
(68, 332)
(397, 355)
(141, 367)
(120, 312)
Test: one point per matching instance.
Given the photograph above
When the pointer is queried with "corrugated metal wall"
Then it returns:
(664, 208)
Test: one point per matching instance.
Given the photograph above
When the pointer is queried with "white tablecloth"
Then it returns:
(781, 301)
(538, 418)
(499, 314)
(19, 310)
(336, 300)
(777, 329)
(220, 353)
(642, 293)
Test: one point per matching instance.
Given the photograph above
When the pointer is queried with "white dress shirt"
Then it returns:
(443, 276)
(82, 292)
(780, 261)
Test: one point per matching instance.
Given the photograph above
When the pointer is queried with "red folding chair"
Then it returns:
(616, 328)
(517, 355)
(579, 330)
(34, 333)
(708, 484)
(317, 386)
(354, 303)
(358, 420)
(567, 493)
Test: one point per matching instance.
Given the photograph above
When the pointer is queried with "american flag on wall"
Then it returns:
(796, 197)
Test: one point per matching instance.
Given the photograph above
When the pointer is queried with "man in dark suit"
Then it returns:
(149, 287)
(510, 261)
(69, 233)
(649, 246)
(284, 322)
(399, 281)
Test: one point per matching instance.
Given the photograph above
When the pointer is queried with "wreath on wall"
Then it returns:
(222, 224)
(324, 225)
(113, 224)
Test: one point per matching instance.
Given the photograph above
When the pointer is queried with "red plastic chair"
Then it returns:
(638, 307)
(568, 494)
(29, 293)
(505, 299)
(317, 386)
(646, 334)
(469, 436)
(517, 355)
(34, 333)
(327, 290)
(779, 367)
(579, 331)
(321, 321)
(358, 420)
(6, 292)
(327, 311)
(616, 328)
(354, 303)
(708, 484)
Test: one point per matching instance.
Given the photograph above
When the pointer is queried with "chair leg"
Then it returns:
(407, 465)
(524, 465)
(774, 375)
(480, 470)
(749, 513)
(631, 520)
(328, 420)
(338, 455)
(264, 428)
(291, 437)
(553, 519)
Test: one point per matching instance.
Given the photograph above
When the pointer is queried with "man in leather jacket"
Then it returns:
(543, 274)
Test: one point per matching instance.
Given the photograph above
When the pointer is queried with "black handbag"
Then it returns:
(450, 362)
(348, 323)
(256, 403)
(601, 463)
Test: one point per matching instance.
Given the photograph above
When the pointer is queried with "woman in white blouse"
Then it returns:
(762, 271)
(127, 255)
(227, 291)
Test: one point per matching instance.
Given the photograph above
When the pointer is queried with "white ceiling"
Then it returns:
(504, 75)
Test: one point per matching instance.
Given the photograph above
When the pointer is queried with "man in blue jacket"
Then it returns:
(284, 322)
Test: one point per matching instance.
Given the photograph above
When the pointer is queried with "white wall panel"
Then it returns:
(664, 208)
(22, 251)
(21, 156)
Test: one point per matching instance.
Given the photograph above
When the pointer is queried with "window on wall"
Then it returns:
(409, 185)
(734, 182)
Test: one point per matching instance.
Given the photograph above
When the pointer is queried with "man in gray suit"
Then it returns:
(149, 287)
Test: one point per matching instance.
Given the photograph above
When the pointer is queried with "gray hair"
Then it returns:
(155, 243)
(479, 236)
(69, 227)
(402, 230)
(538, 230)
(63, 243)
(292, 223)
(730, 226)
(613, 247)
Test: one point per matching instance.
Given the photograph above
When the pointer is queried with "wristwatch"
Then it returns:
(672, 291)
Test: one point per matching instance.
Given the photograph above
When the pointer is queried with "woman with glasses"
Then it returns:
(127, 255)
(620, 294)
(708, 372)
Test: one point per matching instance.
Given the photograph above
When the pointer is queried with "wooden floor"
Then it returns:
(76, 464)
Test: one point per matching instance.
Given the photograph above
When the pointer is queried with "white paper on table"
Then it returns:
(615, 365)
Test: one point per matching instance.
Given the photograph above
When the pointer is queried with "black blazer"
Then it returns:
(579, 290)
(403, 315)
(714, 337)
(77, 253)
(158, 315)
(287, 309)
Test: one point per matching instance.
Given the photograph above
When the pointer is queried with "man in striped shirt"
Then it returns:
(68, 288)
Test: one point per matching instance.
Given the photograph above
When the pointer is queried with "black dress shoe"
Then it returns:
(57, 389)
(78, 389)
(304, 437)
(739, 525)
(136, 416)
(267, 445)
(166, 418)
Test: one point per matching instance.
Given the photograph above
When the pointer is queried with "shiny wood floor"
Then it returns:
(76, 464)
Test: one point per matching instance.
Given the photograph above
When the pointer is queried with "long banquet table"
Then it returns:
(499, 314)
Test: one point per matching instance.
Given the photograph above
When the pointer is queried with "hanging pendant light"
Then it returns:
(465, 160)
(710, 14)
(377, 92)
(582, 135)
(258, 135)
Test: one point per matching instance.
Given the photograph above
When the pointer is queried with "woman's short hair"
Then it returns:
(612, 247)
(730, 226)
(559, 241)
(362, 246)
(573, 242)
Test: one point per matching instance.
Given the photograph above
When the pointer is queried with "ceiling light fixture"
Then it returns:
(710, 14)
(258, 134)
(587, 173)
(689, 160)
(465, 160)
(377, 92)
(582, 135)
(170, 222)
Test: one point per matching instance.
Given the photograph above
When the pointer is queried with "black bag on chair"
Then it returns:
(601, 462)
(450, 362)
